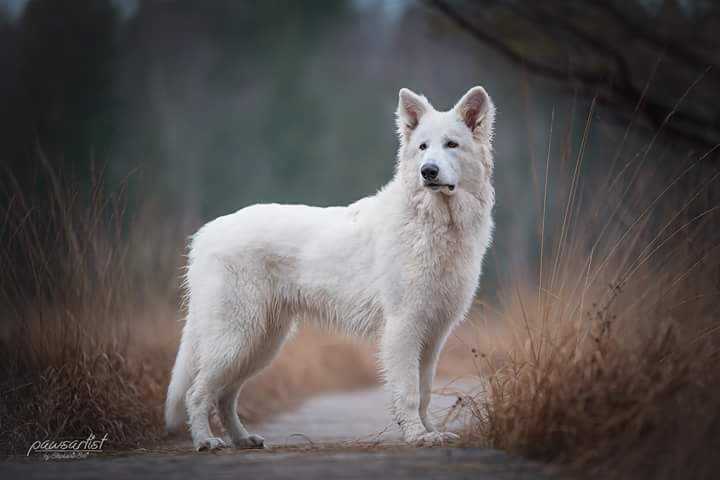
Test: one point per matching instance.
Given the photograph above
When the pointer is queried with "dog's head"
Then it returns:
(445, 152)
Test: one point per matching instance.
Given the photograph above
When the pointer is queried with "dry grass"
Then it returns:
(607, 358)
(89, 325)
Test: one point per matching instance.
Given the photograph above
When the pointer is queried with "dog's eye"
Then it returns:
(423, 146)
(451, 144)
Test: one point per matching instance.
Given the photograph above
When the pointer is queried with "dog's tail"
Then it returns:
(182, 376)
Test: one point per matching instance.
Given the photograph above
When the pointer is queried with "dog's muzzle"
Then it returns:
(430, 173)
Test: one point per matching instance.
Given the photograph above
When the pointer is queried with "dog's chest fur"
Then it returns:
(440, 248)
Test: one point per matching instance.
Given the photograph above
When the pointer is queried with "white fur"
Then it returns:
(402, 265)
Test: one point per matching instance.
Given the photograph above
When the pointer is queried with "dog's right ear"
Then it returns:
(411, 108)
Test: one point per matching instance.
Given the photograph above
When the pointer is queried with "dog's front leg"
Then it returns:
(400, 350)
(428, 364)
(430, 353)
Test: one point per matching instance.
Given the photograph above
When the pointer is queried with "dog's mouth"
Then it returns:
(438, 186)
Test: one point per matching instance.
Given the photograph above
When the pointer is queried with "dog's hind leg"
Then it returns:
(219, 358)
(262, 354)
(236, 337)
(246, 327)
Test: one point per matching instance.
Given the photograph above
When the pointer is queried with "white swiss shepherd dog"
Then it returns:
(401, 266)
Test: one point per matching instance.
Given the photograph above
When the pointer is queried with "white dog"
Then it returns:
(402, 264)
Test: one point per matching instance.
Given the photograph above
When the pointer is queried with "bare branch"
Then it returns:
(611, 80)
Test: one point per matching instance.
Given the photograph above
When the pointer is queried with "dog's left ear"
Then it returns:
(478, 112)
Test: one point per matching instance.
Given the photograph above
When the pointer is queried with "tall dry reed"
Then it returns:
(607, 356)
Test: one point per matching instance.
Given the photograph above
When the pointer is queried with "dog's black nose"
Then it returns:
(429, 171)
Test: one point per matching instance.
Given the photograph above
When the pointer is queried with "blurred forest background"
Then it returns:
(212, 106)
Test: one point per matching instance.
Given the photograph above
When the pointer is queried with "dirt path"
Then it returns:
(348, 418)
(347, 435)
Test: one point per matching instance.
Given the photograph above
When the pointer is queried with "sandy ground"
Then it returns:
(345, 435)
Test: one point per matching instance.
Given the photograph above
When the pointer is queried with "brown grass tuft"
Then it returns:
(607, 357)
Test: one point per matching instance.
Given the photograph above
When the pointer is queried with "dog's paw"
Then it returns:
(434, 439)
(252, 441)
(210, 444)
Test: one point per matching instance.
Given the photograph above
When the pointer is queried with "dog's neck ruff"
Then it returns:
(464, 211)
